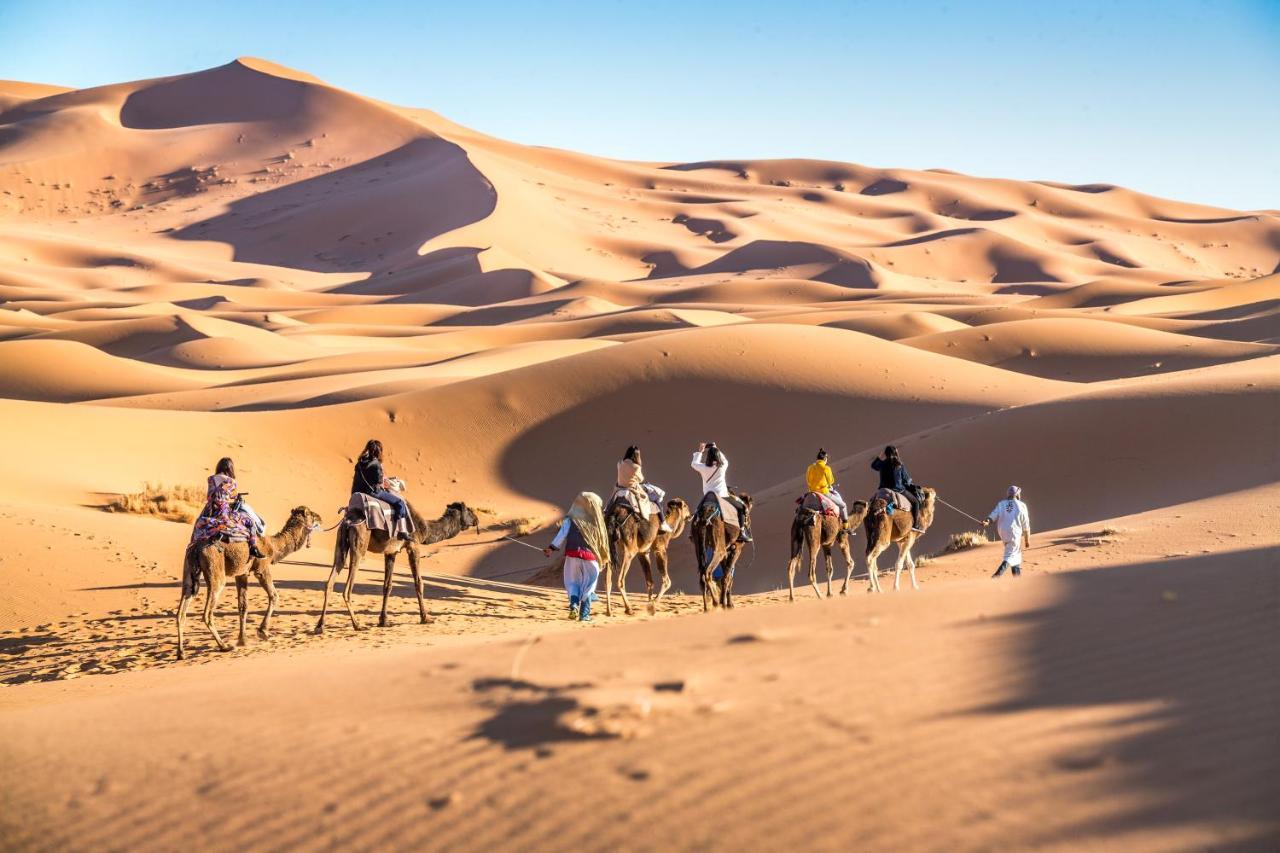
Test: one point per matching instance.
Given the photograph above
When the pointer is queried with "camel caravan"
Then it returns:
(637, 523)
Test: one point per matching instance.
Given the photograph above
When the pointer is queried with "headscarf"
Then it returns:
(1014, 491)
(587, 512)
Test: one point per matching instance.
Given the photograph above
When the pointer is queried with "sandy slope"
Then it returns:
(248, 261)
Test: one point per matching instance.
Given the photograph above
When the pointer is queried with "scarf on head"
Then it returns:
(587, 512)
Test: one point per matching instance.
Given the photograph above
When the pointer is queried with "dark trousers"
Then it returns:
(742, 510)
(397, 503)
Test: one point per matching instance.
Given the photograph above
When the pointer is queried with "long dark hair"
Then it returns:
(633, 453)
(891, 453)
(372, 450)
(712, 455)
(226, 467)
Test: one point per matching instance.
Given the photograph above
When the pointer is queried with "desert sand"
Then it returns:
(246, 261)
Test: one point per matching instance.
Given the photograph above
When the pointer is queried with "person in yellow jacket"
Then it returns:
(820, 479)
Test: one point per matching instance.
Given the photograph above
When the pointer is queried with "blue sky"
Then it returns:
(1178, 98)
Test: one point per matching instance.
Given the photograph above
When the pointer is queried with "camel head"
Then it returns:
(308, 518)
(681, 510)
(466, 517)
(928, 502)
(857, 513)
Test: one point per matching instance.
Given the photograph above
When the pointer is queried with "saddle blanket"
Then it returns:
(895, 500)
(818, 503)
(379, 515)
(727, 510)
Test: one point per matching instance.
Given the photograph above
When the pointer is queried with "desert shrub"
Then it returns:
(174, 503)
(967, 539)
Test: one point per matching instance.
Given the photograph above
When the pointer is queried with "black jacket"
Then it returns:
(893, 475)
(368, 477)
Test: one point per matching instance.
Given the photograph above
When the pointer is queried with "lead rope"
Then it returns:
(957, 509)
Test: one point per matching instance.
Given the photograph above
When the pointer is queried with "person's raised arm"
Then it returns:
(877, 463)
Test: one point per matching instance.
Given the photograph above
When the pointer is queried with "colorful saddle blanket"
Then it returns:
(818, 503)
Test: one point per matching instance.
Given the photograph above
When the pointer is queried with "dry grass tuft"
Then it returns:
(522, 527)
(964, 541)
(174, 503)
(1110, 531)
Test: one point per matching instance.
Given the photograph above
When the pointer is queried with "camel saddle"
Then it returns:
(819, 503)
(636, 499)
(727, 510)
(378, 515)
(895, 500)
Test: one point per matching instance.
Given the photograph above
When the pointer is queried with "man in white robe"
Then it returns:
(1014, 526)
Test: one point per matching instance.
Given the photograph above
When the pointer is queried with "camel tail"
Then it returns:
(190, 572)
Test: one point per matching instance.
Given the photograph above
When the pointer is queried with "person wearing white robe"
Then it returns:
(1014, 526)
(713, 467)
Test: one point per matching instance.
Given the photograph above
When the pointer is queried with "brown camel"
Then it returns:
(810, 528)
(355, 539)
(884, 530)
(216, 561)
(715, 541)
(630, 536)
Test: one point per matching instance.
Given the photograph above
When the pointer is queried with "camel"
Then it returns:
(810, 528)
(629, 537)
(884, 530)
(715, 541)
(216, 561)
(355, 539)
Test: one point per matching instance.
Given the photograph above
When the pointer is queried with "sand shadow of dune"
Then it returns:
(366, 216)
(1192, 646)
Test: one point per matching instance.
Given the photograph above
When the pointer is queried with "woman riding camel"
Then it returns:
(631, 479)
(819, 478)
(713, 466)
(582, 535)
(222, 517)
(893, 475)
(370, 480)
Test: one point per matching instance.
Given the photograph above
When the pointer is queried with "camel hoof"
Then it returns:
(652, 610)
(241, 643)
(382, 623)
(263, 634)
(319, 630)
(182, 655)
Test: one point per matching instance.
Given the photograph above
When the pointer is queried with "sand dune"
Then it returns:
(247, 261)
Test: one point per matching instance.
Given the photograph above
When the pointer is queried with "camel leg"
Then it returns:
(339, 555)
(388, 575)
(646, 565)
(831, 568)
(349, 587)
(792, 565)
(608, 589)
(273, 598)
(242, 603)
(417, 584)
(848, 563)
(211, 608)
(911, 562)
(183, 604)
(664, 579)
(904, 551)
(624, 565)
(813, 568)
(726, 586)
(873, 571)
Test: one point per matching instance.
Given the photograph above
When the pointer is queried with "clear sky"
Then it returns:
(1179, 98)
